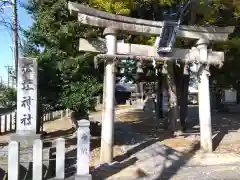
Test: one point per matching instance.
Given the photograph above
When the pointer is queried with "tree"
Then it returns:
(8, 98)
(65, 73)
(226, 76)
(67, 78)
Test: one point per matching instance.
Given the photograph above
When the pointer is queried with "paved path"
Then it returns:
(230, 172)
(158, 162)
(196, 173)
(148, 159)
(189, 173)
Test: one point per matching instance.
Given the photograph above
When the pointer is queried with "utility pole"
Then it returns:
(1, 81)
(15, 35)
(8, 78)
(14, 29)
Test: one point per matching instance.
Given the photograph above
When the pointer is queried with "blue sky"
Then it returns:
(25, 22)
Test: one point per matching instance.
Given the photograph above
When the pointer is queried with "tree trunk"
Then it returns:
(39, 124)
(139, 87)
(178, 71)
(174, 119)
(159, 106)
(184, 95)
(183, 79)
(164, 87)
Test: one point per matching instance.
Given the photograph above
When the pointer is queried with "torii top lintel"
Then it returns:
(93, 17)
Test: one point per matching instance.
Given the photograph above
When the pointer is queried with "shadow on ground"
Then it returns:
(141, 132)
(165, 160)
(146, 132)
(145, 160)
(223, 123)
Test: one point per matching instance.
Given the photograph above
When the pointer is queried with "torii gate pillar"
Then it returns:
(204, 98)
(107, 137)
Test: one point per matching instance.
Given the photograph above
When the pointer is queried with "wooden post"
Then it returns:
(109, 116)
(5, 123)
(164, 96)
(13, 160)
(204, 99)
(67, 113)
(60, 158)
(83, 151)
(51, 116)
(8, 122)
(61, 114)
(142, 91)
(11, 122)
(173, 115)
(15, 120)
(159, 107)
(1, 124)
(184, 95)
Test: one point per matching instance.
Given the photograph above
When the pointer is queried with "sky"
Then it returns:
(6, 55)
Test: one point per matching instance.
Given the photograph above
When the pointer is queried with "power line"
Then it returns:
(8, 26)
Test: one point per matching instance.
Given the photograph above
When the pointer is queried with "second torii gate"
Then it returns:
(201, 55)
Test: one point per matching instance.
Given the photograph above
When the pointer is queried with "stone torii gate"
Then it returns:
(113, 23)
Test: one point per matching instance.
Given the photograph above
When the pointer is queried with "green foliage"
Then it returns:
(8, 98)
(67, 78)
(81, 97)
(127, 69)
(63, 70)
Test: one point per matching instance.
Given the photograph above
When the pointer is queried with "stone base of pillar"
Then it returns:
(25, 138)
(83, 177)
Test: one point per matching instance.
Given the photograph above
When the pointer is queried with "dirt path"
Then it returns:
(161, 156)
